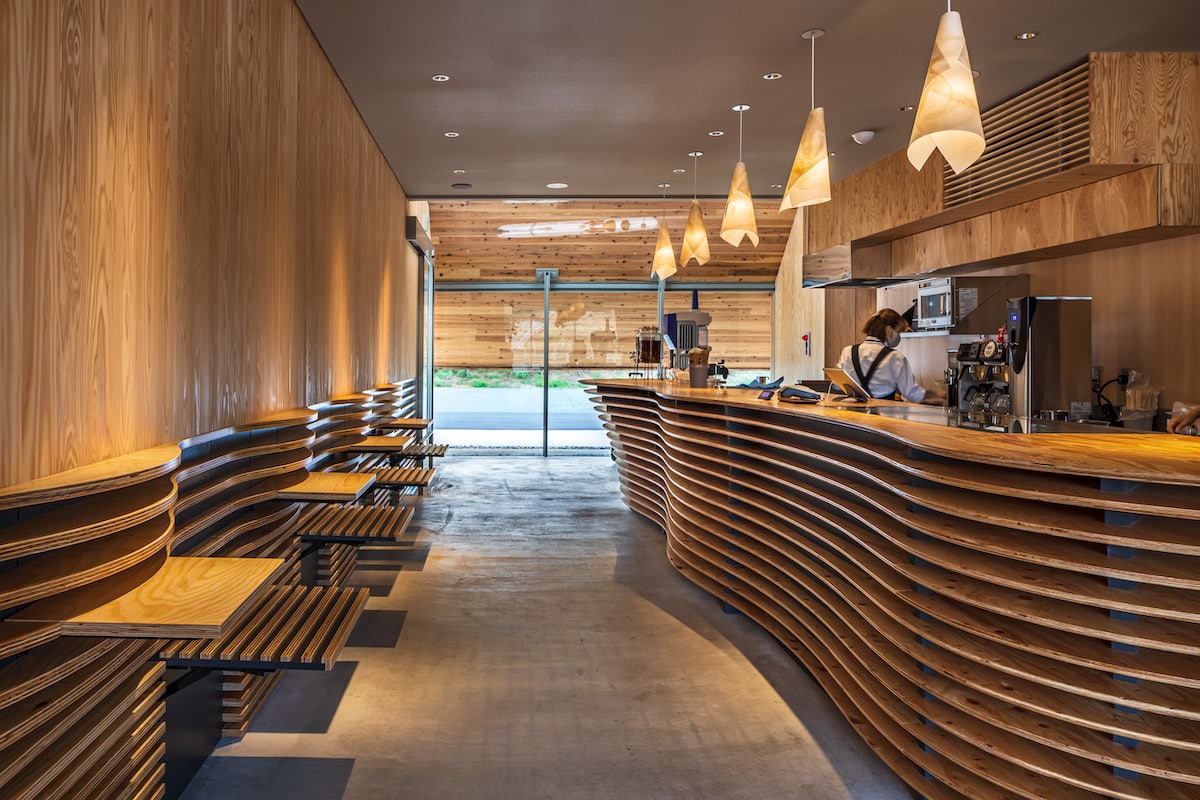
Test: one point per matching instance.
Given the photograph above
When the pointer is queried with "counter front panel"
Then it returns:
(998, 616)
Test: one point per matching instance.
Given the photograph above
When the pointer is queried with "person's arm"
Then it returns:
(1177, 424)
(906, 382)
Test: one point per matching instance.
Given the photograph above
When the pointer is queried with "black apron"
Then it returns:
(865, 380)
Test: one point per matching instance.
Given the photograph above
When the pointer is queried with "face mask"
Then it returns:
(894, 339)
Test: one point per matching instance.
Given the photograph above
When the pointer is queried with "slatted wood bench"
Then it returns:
(337, 531)
(292, 627)
(404, 478)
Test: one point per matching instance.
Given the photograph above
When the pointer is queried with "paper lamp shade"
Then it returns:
(695, 238)
(808, 183)
(739, 209)
(664, 254)
(948, 116)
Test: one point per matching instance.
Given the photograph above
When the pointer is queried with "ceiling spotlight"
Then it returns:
(772, 76)
(556, 185)
(460, 186)
(776, 185)
(905, 108)
(716, 133)
(1026, 36)
(832, 154)
(862, 137)
(679, 171)
(441, 78)
(451, 134)
(460, 172)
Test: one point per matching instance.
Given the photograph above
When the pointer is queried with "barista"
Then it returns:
(881, 369)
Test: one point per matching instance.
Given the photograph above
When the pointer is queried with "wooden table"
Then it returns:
(343, 487)
(401, 424)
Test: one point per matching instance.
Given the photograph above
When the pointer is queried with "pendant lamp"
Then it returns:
(948, 116)
(663, 266)
(695, 238)
(808, 183)
(739, 208)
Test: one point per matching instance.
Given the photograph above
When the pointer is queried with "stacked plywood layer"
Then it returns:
(997, 616)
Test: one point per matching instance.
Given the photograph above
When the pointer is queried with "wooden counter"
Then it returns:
(998, 615)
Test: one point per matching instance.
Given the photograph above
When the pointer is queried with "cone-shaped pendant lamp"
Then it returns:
(664, 253)
(695, 237)
(808, 183)
(739, 208)
(948, 116)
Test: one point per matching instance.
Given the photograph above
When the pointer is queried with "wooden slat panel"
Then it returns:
(615, 240)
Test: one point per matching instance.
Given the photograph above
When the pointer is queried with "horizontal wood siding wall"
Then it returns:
(195, 228)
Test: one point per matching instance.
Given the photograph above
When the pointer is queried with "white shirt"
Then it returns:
(893, 375)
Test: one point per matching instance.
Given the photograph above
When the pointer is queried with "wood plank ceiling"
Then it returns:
(593, 240)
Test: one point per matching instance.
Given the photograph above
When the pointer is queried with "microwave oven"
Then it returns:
(935, 304)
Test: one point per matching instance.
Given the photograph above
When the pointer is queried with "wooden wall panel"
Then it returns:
(197, 228)
(592, 240)
(886, 195)
(589, 330)
(846, 311)
(962, 242)
(798, 311)
(1145, 108)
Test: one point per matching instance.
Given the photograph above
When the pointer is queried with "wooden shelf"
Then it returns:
(103, 476)
(187, 597)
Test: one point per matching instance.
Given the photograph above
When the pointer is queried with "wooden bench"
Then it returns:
(404, 477)
(337, 531)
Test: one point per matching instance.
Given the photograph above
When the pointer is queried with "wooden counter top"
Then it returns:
(1158, 458)
(998, 615)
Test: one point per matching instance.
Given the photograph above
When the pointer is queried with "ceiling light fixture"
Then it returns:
(695, 237)
(663, 265)
(716, 133)
(556, 185)
(1025, 36)
(451, 134)
(948, 114)
(460, 172)
(808, 183)
(439, 78)
(679, 171)
(739, 220)
(772, 76)
(862, 137)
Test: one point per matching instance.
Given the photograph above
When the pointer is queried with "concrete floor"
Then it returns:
(534, 642)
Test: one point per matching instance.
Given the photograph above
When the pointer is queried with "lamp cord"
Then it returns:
(695, 175)
(813, 73)
(740, 136)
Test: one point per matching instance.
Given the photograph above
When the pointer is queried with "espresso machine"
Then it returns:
(980, 383)
(1049, 356)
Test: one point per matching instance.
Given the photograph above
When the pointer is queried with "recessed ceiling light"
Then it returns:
(906, 108)
(716, 133)
(439, 78)
(460, 172)
(556, 185)
(460, 186)
(451, 134)
(772, 76)
(679, 171)
(832, 154)
(776, 185)
(664, 186)
(974, 73)
(1026, 36)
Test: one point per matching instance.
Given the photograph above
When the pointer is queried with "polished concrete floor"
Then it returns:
(532, 641)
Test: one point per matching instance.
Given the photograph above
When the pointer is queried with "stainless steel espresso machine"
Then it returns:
(1038, 367)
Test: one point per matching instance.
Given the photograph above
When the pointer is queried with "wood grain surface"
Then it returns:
(198, 228)
(602, 240)
(327, 486)
(982, 608)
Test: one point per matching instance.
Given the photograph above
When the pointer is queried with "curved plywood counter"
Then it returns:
(997, 615)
